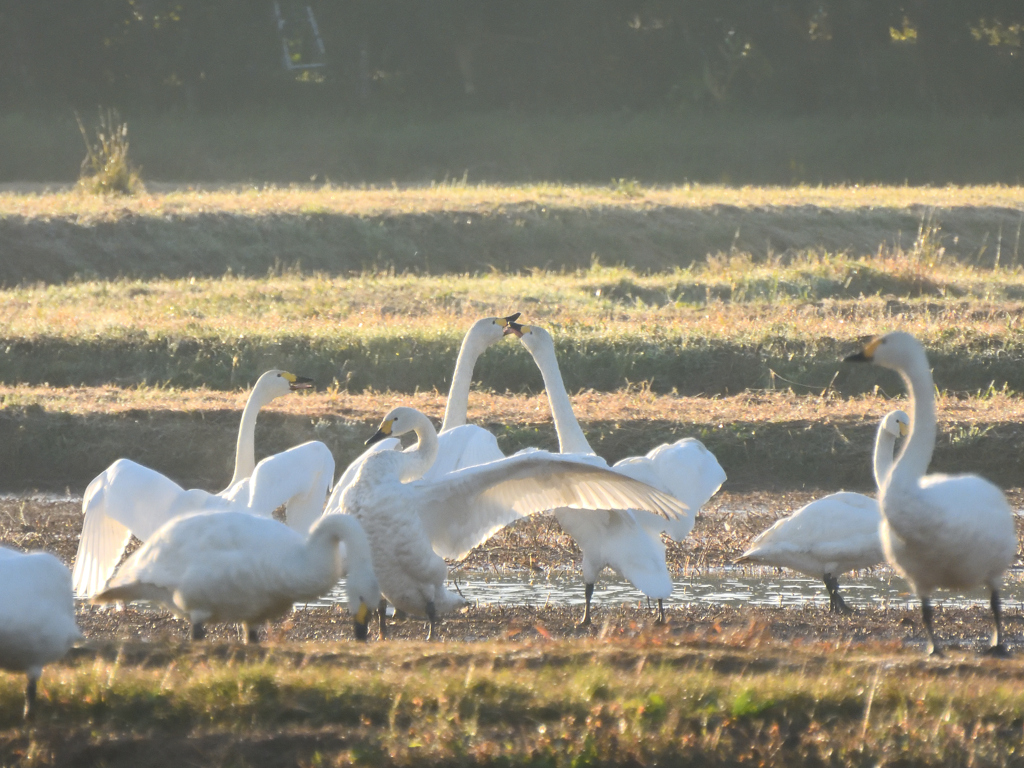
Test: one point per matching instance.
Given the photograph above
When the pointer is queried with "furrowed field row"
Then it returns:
(763, 440)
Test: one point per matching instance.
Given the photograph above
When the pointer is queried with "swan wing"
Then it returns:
(298, 478)
(467, 506)
(125, 499)
(461, 447)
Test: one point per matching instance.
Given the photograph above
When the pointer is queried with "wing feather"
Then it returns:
(481, 499)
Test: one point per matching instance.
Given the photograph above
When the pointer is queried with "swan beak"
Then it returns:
(867, 354)
(298, 382)
(511, 318)
(903, 429)
(360, 628)
(516, 329)
(380, 434)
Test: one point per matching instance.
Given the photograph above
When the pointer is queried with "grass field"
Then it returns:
(643, 697)
(728, 323)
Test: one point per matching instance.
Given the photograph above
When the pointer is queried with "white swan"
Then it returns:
(834, 534)
(471, 500)
(128, 498)
(37, 615)
(630, 546)
(458, 444)
(938, 531)
(236, 567)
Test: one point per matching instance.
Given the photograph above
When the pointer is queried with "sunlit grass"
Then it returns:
(648, 698)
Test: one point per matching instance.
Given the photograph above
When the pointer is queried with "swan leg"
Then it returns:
(198, 630)
(997, 648)
(30, 697)
(382, 618)
(929, 625)
(251, 634)
(588, 593)
(836, 604)
(661, 611)
(432, 618)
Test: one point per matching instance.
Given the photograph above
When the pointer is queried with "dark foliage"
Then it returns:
(780, 55)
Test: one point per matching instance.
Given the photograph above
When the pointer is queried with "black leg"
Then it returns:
(30, 698)
(382, 618)
(929, 626)
(588, 593)
(432, 618)
(836, 604)
(661, 611)
(252, 634)
(198, 631)
(997, 648)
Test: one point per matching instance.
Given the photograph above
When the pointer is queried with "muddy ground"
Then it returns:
(722, 530)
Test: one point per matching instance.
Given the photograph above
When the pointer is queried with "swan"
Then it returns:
(237, 567)
(938, 531)
(471, 500)
(834, 534)
(128, 498)
(459, 444)
(37, 615)
(633, 548)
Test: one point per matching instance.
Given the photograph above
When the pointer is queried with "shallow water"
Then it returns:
(725, 586)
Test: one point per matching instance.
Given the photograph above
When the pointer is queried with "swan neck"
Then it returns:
(245, 447)
(885, 446)
(916, 455)
(570, 436)
(462, 380)
(423, 453)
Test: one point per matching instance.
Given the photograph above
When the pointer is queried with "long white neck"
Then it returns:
(462, 380)
(331, 529)
(916, 455)
(570, 436)
(245, 448)
(885, 446)
(420, 456)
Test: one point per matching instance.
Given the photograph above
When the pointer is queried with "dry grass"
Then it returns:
(730, 697)
(259, 201)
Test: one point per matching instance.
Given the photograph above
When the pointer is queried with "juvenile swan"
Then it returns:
(629, 545)
(128, 498)
(236, 567)
(938, 531)
(834, 534)
(37, 615)
(471, 500)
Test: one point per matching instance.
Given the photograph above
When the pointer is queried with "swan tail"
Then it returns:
(126, 593)
(102, 543)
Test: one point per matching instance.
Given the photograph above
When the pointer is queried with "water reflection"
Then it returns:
(724, 586)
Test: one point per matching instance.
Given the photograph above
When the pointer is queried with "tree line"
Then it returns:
(788, 56)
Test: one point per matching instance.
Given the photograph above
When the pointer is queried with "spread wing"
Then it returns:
(465, 507)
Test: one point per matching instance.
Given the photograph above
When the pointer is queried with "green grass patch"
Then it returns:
(554, 704)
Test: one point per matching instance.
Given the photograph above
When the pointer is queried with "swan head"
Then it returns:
(489, 330)
(896, 423)
(276, 383)
(398, 422)
(361, 582)
(533, 337)
(897, 351)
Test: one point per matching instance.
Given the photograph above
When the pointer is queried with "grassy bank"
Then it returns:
(732, 700)
(457, 228)
(55, 439)
(513, 147)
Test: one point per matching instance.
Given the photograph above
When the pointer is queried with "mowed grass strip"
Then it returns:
(455, 228)
(705, 700)
(718, 328)
(58, 439)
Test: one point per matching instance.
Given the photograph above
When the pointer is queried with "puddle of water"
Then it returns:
(725, 586)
